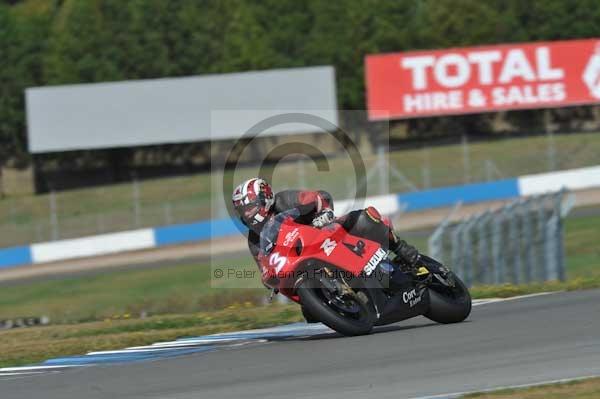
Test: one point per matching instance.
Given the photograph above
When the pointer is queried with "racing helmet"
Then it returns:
(253, 200)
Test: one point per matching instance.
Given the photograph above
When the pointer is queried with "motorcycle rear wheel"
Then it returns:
(449, 304)
(352, 317)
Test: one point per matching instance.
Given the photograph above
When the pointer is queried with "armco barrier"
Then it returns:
(575, 179)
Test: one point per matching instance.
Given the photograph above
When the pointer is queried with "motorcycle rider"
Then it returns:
(256, 204)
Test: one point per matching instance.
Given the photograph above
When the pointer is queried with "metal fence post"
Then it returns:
(540, 239)
(564, 208)
(135, 189)
(488, 170)
(54, 227)
(100, 224)
(550, 150)
(559, 239)
(466, 159)
(426, 170)
(514, 242)
(550, 248)
(383, 171)
(467, 252)
(435, 247)
(560, 250)
(168, 210)
(528, 247)
(39, 237)
(456, 250)
(218, 204)
(497, 248)
(484, 275)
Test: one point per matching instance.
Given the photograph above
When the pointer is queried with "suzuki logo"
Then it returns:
(591, 74)
(374, 261)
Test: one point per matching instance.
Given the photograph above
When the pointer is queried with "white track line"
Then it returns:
(279, 329)
(479, 302)
(457, 395)
(21, 373)
(183, 344)
(31, 368)
(152, 348)
(129, 350)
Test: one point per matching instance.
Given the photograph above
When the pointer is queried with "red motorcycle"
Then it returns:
(349, 284)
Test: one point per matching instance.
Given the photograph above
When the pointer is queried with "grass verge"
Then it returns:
(175, 289)
(582, 389)
(31, 345)
(509, 290)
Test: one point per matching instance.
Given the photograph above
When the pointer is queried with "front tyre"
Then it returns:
(347, 314)
(449, 298)
(308, 316)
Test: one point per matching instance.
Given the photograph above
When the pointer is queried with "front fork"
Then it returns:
(435, 270)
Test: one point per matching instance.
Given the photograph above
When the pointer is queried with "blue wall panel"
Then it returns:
(469, 193)
(15, 256)
(198, 231)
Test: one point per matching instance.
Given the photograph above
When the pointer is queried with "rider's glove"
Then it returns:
(323, 218)
(408, 253)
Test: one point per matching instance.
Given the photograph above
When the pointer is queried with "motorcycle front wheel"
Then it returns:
(348, 314)
(450, 301)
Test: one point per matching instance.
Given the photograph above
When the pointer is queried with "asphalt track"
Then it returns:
(515, 342)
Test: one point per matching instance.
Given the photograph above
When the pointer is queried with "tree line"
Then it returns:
(50, 42)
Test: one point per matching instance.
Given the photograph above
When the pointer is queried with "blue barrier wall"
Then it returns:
(469, 193)
(198, 231)
(10, 257)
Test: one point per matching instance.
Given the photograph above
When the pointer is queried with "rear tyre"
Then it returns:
(449, 304)
(352, 317)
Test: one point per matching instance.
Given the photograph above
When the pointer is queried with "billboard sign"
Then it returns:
(173, 110)
(483, 79)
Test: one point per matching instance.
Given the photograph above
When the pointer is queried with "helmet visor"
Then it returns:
(249, 211)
